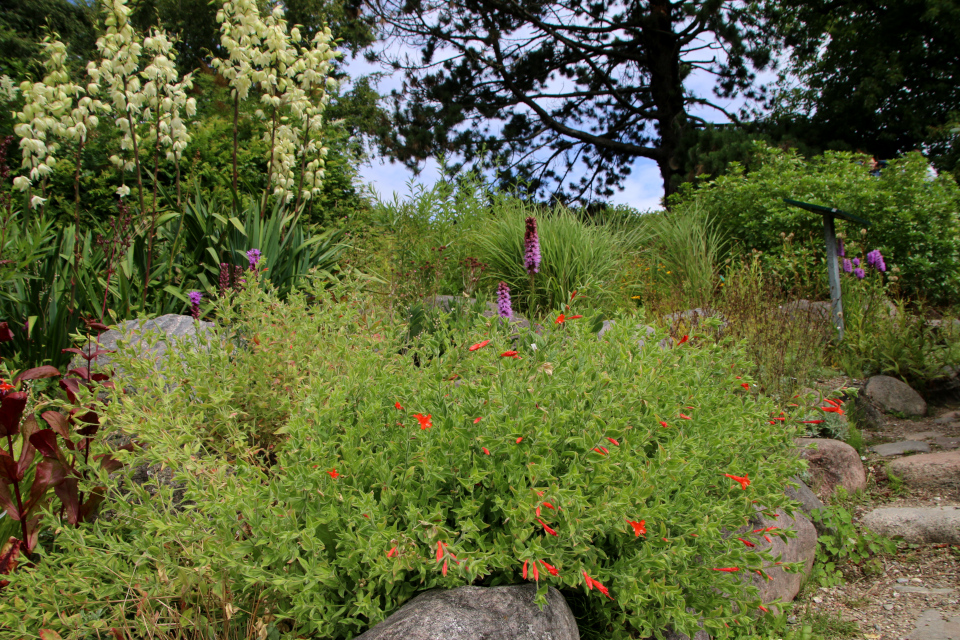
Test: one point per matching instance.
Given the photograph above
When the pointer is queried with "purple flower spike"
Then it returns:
(531, 247)
(859, 273)
(840, 251)
(253, 255)
(847, 267)
(875, 260)
(503, 301)
(195, 298)
(856, 262)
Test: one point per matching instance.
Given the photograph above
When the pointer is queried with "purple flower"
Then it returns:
(847, 267)
(195, 298)
(503, 301)
(840, 251)
(856, 262)
(875, 260)
(224, 278)
(253, 255)
(859, 273)
(531, 247)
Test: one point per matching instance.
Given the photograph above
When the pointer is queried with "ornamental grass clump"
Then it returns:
(327, 479)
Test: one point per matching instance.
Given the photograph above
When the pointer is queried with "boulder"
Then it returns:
(900, 448)
(917, 524)
(805, 496)
(922, 435)
(947, 443)
(783, 586)
(895, 395)
(832, 463)
(869, 416)
(479, 613)
(936, 625)
(173, 331)
(930, 470)
(948, 418)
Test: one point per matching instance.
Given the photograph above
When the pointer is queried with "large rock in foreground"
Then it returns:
(895, 395)
(930, 470)
(917, 524)
(172, 332)
(479, 613)
(832, 464)
(782, 586)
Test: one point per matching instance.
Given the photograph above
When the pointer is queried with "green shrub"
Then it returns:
(314, 504)
(915, 222)
(840, 544)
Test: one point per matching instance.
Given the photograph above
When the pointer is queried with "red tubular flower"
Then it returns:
(479, 345)
(744, 481)
(397, 405)
(573, 295)
(683, 339)
(764, 530)
(601, 450)
(574, 317)
(638, 527)
(685, 417)
(510, 354)
(591, 583)
(746, 542)
(477, 420)
(549, 506)
(536, 572)
(745, 386)
(546, 527)
(836, 410)
(613, 441)
(664, 424)
(728, 569)
(439, 550)
(831, 402)
(560, 319)
(525, 569)
(812, 421)
(549, 567)
(519, 439)
(486, 451)
(334, 474)
(764, 609)
(5, 386)
(392, 553)
(424, 420)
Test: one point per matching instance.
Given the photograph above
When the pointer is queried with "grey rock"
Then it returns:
(832, 463)
(949, 418)
(805, 496)
(939, 470)
(947, 443)
(922, 435)
(174, 332)
(645, 330)
(899, 448)
(916, 524)
(924, 590)
(934, 625)
(895, 395)
(869, 416)
(783, 586)
(607, 325)
(479, 613)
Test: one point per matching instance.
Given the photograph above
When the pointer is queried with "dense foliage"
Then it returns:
(915, 221)
(387, 478)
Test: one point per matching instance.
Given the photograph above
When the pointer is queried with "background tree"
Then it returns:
(877, 76)
(565, 95)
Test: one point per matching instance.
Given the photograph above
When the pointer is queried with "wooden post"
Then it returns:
(833, 272)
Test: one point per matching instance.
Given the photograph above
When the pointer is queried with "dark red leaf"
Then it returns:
(89, 430)
(9, 557)
(46, 371)
(72, 387)
(57, 422)
(93, 501)
(79, 352)
(46, 442)
(28, 452)
(69, 497)
(80, 373)
(99, 326)
(33, 532)
(8, 468)
(100, 377)
(49, 634)
(7, 503)
(108, 462)
(93, 354)
(5, 334)
(86, 418)
(11, 410)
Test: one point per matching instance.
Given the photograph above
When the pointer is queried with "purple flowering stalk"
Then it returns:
(856, 262)
(840, 251)
(531, 247)
(253, 255)
(859, 273)
(195, 298)
(875, 260)
(503, 301)
(224, 278)
(847, 266)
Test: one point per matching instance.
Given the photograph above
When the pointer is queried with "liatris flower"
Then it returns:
(503, 301)
(224, 278)
(856, 262)
(237, 277)
(254, 257)
(195, 297)
(859, 273)
(840, 251)
(875, 260)
(847, 267)
(531, 247)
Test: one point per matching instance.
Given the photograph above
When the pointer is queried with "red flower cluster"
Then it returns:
(424, 420)
(638, 527)
(744, 481)
(591, 583)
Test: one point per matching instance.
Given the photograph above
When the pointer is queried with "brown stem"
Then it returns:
(273, 137)
(236, 114)
(153, 217)
(136, 150)
(16, 491)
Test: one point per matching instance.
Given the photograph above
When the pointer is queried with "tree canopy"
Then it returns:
(565, 95)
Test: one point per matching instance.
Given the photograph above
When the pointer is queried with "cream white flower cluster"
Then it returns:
(293, 78)
(54, 110)
(165, 98)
